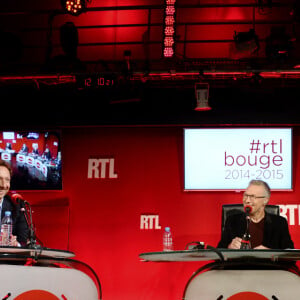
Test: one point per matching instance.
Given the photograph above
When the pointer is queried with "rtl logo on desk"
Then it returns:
(38, 294)
(247, 296)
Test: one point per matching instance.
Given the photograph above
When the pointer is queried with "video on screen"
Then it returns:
(35, 159)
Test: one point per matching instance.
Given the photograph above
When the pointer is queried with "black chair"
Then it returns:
(232, 209)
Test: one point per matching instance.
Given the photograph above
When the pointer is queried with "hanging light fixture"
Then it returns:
(202, 95)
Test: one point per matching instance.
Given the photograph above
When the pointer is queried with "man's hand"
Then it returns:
(235, 243)
(261, 247)
(13, 241)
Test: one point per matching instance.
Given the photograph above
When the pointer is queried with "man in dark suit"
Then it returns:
(20, 226)
(267, 231)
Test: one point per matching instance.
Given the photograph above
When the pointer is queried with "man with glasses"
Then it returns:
(267, 231)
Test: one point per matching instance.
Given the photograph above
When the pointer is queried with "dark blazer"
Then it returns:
(276, 231)
(20, 226)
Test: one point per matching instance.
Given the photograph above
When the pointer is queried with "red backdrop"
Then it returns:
(99, 218)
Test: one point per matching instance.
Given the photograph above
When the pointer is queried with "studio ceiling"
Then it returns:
(240, 77)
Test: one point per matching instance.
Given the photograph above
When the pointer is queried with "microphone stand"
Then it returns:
(25, 207)
(245, 243)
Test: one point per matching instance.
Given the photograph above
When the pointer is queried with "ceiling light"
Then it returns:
(73, 7)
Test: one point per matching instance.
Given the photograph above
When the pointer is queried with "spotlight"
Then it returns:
(73, 7)
(202, 94)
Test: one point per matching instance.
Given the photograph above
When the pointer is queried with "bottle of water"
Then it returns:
(167, 240)
(6, 228)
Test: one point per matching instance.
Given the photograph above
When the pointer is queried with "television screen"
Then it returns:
(35, 159)
(227, 159)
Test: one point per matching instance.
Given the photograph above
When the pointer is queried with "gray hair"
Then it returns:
(261, 183)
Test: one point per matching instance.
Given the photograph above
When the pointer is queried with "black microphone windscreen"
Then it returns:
(247, 209)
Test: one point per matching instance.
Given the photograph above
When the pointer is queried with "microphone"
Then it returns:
(245, 244)
(25, 208)
(248, 209)
(18, 200)
(16, 197)
(7, 296)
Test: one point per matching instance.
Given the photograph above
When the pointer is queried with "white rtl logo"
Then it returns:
(149, 222)
(288, 211)
(101, 168)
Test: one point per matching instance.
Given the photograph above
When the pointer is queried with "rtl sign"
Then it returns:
(149, 222)
(101, 168)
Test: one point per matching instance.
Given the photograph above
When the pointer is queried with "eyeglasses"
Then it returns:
(252, 197)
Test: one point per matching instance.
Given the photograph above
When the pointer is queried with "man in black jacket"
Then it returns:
(267, 231)
(20, 227)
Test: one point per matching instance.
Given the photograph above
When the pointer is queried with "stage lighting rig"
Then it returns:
(74, 7)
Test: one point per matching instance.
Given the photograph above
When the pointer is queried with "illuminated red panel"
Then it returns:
(96, 35)
(275, 14)
(105, 18)
(137, 52)
(215, 14)
(207, 50)
(157, 15)
(111, 52)
(94, 53)
(138, 16)
(116, 3)
(213, 32)
(130, 34)
(156, 33)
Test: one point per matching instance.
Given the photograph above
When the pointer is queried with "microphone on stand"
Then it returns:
(248, 210)
(25, 208)
(245, 244)
(7, 296)
(17, 199)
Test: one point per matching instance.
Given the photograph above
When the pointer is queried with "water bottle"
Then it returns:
(245, 243)
(6, 228)
(167, 240)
